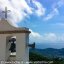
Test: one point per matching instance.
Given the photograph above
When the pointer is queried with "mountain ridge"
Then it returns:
(49, 52)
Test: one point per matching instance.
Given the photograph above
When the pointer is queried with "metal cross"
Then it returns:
(5, 12)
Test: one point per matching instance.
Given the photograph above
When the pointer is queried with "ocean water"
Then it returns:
(49, 45)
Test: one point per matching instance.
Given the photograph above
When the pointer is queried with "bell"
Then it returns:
(13, 45)
(32, 45)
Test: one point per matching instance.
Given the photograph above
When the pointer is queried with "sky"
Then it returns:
(44, 18)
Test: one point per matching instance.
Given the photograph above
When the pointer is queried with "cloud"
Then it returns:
(20, 9)
(61, 38)
(35, 37)
(46, 37)
(38, 38)
(17, 8)
(50, 37)
(59, 4)
(55, 10)
(51, 14)
(40, 11)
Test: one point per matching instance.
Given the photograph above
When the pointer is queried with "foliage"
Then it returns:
(37, 57)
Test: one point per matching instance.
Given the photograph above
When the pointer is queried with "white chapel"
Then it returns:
(22, 40)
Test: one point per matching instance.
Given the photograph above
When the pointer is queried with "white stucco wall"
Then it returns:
(22, 51)
(8, 44)
(2, 46)
(22, 39)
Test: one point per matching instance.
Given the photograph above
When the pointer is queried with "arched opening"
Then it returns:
(13, 45)
(12, 48)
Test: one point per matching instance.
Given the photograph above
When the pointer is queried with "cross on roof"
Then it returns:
(5, 12)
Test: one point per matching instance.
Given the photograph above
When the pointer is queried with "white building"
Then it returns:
(22, 40)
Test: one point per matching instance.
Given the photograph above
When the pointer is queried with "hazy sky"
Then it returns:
(44, 18)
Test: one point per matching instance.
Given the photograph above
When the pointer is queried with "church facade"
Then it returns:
(22, 40)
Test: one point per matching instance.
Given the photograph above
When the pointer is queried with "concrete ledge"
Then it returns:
(12, 55)
(14, 31)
